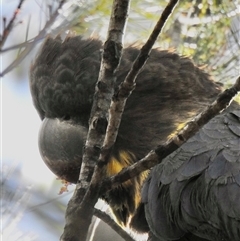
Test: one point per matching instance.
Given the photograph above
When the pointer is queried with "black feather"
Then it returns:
(200, 184)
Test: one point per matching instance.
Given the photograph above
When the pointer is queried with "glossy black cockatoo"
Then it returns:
(194, 194)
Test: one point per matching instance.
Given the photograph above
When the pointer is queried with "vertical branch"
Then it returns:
(81, 206)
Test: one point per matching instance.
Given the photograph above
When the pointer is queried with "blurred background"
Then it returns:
(208, 31)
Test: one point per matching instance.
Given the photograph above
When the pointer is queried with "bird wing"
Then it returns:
(196, 189)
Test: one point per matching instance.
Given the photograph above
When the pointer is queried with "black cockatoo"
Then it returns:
(193, 194)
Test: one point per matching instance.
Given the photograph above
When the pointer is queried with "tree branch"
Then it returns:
(155, 157)
(16, 46)
(110, 222)
(78, 216)
(119, 100)
(32, 44)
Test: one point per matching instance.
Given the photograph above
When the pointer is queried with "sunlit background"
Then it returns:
(31, 208)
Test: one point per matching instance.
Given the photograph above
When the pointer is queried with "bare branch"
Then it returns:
(155, 156)
(31, 45)
(81, 214)
(7, 29)
(17, 46)
(128, 84)
(78, 216)
(126, 88)
(110, 222)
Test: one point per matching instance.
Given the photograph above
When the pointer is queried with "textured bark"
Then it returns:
(80, 215)
(125, 89)
(98, 120)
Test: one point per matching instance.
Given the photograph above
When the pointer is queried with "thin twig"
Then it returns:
(126, 88)
(156, 156)
(129, 82)
(78, 217)
(111, 223)
(17, 46)
(32, 44)
(9, 27)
